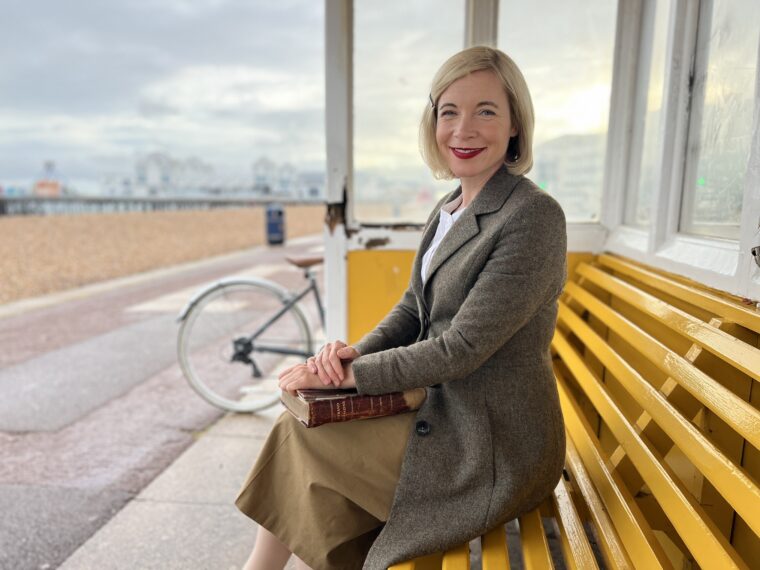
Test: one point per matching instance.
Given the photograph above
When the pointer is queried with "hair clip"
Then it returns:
(432, 103)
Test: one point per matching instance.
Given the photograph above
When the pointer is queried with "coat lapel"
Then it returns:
(490, 199)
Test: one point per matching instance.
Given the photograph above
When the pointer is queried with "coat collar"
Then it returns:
(490, 199)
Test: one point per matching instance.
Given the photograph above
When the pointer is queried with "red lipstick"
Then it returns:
(466, 152)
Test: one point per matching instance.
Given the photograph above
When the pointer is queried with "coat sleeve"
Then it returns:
(525, 271)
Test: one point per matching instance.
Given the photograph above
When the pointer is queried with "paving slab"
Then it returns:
(247, 425)
(153, 535)
(186, 517)
(41, 526)
(209, 472)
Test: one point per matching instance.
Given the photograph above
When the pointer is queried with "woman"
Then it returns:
(474, 328)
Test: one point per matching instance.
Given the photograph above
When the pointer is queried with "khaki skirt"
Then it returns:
(325, 492)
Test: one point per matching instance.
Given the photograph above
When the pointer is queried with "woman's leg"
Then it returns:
(268, 552)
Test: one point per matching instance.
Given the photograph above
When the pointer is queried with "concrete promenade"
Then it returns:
(185, 519)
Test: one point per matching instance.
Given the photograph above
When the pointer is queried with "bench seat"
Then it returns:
(658, 381)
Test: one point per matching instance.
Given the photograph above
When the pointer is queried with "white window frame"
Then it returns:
(716, 262)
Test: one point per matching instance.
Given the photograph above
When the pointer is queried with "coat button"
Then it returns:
(422, 427)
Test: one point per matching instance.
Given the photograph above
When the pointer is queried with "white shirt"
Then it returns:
(445, 220)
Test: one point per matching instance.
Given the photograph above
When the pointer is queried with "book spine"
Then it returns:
(357, 407)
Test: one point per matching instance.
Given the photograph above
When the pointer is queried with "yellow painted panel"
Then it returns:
(494, 548)
(376, 281)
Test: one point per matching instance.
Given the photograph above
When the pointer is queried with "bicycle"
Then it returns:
(242, 329)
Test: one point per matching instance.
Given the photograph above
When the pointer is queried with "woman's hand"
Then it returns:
(329, 364)
(299, 377)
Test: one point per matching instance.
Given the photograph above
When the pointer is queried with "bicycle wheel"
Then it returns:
(229, 350)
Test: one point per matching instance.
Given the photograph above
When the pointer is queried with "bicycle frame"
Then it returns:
(288, 303)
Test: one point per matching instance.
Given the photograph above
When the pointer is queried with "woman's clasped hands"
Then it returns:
(331, 367)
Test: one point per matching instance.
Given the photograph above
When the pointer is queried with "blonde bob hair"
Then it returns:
(519, 157)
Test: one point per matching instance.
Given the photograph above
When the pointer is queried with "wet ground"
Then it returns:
(93, 405)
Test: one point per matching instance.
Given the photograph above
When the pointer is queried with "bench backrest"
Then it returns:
(658, 380)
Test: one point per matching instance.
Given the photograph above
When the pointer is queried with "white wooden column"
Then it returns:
(339, 33)
(481, 22)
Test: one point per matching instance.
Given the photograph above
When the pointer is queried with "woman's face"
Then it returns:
(474, 126)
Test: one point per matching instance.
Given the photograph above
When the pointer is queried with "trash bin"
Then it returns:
(275, 224)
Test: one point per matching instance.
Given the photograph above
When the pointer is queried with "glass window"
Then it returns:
(169, 98)
(646, 179)
(723, 102)
(565, 50)
(398, 46)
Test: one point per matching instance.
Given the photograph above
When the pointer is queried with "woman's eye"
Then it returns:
(446, 113)
(487, 113)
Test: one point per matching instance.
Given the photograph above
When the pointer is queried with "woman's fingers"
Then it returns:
(311, 364)
(325, 369)
(335, 360)
(324, 376)
(327, 365)
(348, 353)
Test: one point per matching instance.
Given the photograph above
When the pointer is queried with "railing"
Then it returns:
(36, 205)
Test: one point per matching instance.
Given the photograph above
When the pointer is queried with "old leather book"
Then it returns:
(316, 407)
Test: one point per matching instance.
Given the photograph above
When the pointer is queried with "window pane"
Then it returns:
(398, 46)
(565, 51)
(639, 203)
(167, 98)
(724, 99)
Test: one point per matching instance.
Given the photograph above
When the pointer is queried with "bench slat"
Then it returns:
(457, 558)
(575, 546)
(726, 347)
(704, 540)
(494, 547)
(743, 418)
(535, 547)
(429, 562)
(731, 481)
(642, 549)
(715, 304)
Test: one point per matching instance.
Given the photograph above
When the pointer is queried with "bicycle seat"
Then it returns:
(304, 262)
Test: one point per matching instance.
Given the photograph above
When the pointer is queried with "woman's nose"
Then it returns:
(465, 127)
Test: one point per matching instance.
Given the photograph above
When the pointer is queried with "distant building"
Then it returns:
(48, 185)
(285, 180)
(571, 168)
(158, 174)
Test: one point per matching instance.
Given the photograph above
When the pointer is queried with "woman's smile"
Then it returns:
(466, 153)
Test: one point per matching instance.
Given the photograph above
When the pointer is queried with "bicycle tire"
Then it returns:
(235, 309)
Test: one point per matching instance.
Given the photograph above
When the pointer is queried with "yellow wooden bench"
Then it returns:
(658, 379)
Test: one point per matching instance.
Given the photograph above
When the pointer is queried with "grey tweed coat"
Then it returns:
(489, 442)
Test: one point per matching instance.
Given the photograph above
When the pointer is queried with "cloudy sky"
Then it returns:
(92, 85)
